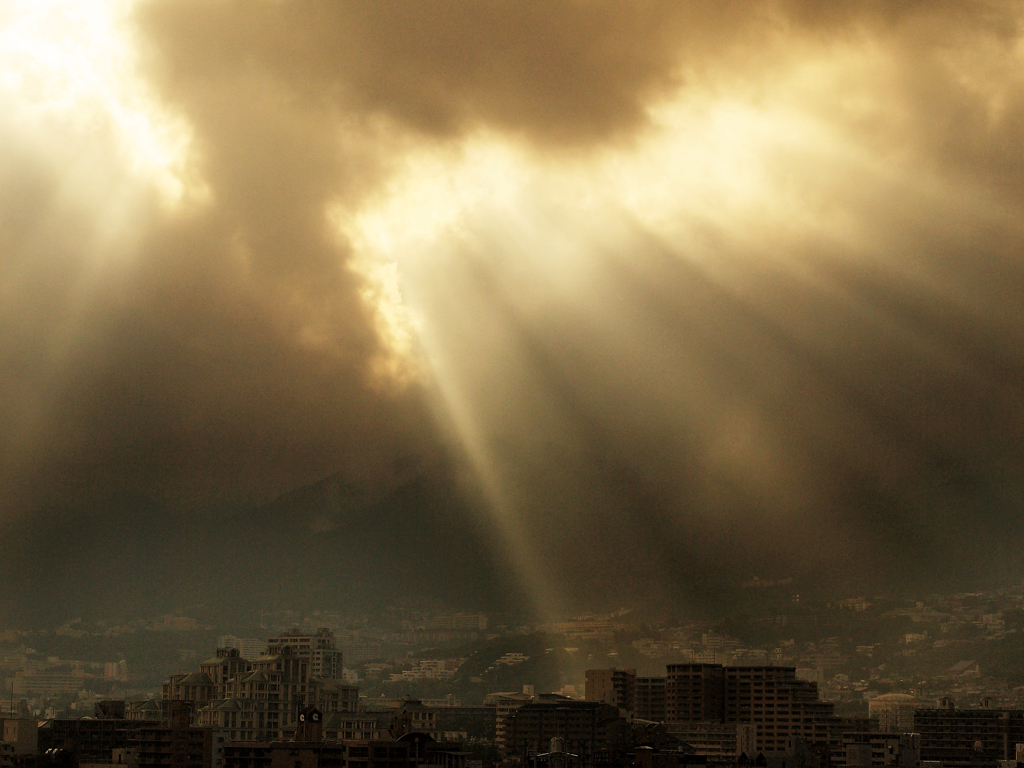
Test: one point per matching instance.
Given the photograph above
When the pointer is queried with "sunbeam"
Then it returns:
(603, 303)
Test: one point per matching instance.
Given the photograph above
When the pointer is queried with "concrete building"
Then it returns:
(46, 683)
(587, 727)
(318, 649)
(459, 622)
(895, 712)
(268, 697)
(612, 686)
(861, 750)
(135, 743)
(650, 699)
(248, 647)
(334, 696)
(372, 753)
(412, 717)
(772, 698)
(348, 726)
(318, 754)
(969, 737)
(23, 735)
(87, 741)
(258, 699)
(505, 704)
(477, 722)
(719, 742)
(146, 711)
(187, 747)
(225, 665)
(694, 693)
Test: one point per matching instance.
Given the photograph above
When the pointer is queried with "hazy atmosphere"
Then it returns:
(554, 306)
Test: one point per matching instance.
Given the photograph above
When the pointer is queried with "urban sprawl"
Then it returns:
(780, 683)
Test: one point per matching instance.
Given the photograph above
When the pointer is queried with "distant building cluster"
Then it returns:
(429, 669)
(271, 712)
(263, 698)
(458, 622)
(288, 702)
(730, 715)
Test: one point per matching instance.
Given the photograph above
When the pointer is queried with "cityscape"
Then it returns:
(511, 384)
(858, 682)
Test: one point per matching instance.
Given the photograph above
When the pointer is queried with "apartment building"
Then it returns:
(771, 698)
(650, 699)
(260, 702)
(261, 698)
(719, 742)
(694, 693)
(142, 743)
(967, 737)
(586, 727)
(612, 686)
(318, 649)
(505, 704)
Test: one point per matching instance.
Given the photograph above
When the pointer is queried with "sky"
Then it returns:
(643, 299)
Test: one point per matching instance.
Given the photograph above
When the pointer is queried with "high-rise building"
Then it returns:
(251, 700)
(612, 686)
(505, 704)
(772, 698)
(249, 647)
(256, 699)
(650, 699)
(695, 693)
(319, 648)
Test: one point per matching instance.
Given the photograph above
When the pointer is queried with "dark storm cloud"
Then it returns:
(224, 350)
(224, 342)
(560, 71)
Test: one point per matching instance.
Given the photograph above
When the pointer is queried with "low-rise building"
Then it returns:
(967, 737)
(587, 727)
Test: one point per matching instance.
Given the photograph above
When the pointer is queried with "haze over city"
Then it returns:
(539, 306)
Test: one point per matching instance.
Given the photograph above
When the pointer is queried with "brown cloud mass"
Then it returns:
(831, 385)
